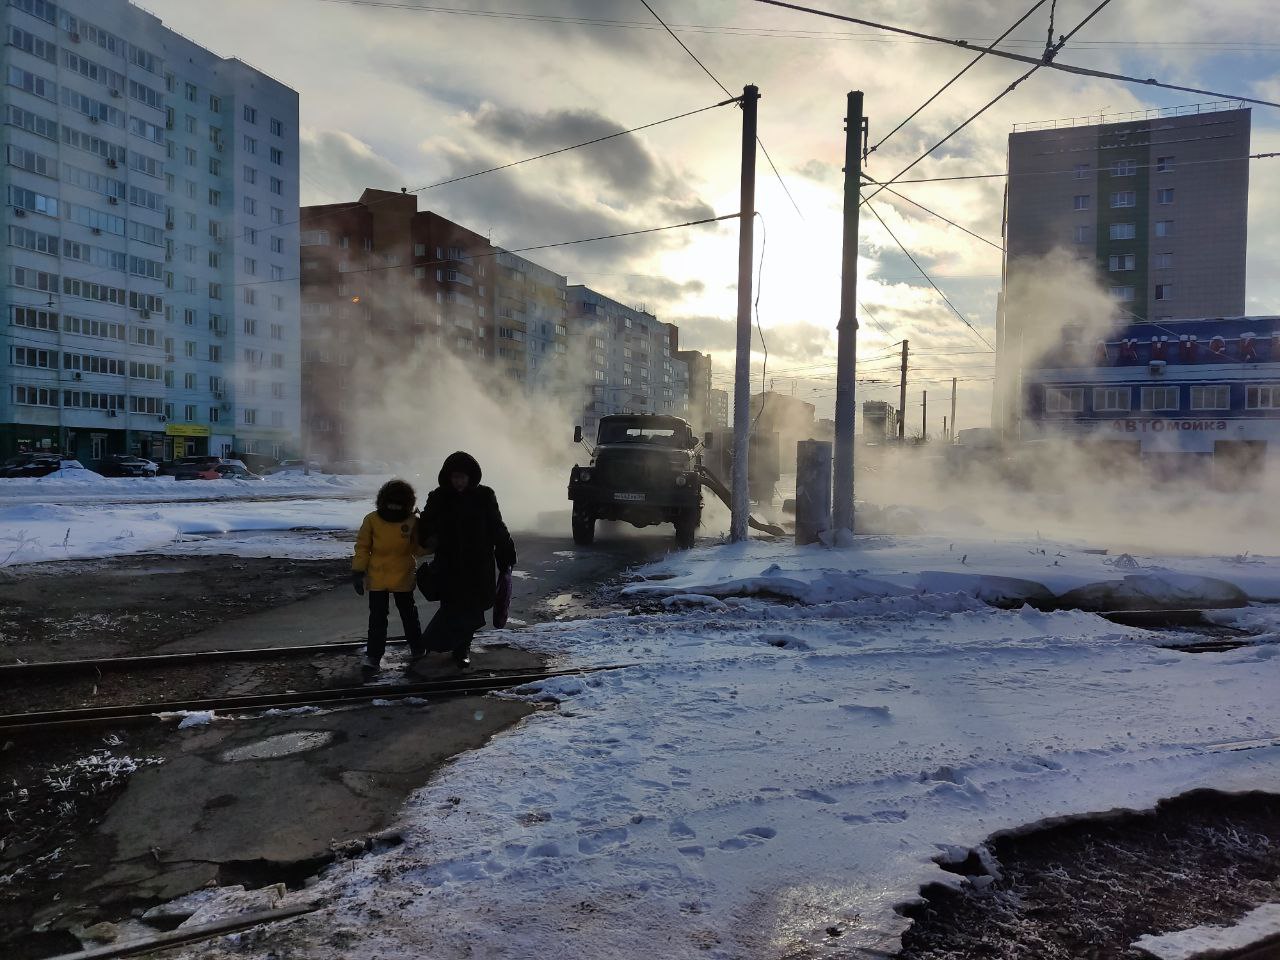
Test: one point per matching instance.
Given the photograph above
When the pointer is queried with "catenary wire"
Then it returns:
(1050, 173)
(961, 316)
(990, 103)
(935, 213)
(763, 148)
(965, 69)
(1009, 55)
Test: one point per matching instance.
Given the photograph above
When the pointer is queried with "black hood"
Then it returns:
(395, 501)
(460, 462)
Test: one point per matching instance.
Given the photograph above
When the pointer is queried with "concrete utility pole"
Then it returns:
(952, 434)
(847, 328)
(741, 506)
(902, 393)
(945, 435)
(924, 415)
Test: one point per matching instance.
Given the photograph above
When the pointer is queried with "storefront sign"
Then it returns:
(186, 430)
(1166, 426)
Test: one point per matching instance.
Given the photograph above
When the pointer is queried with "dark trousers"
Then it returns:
(451, 630)
(379, 606)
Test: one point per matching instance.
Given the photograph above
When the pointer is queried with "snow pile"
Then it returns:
(1261, 923)
(86, 486)
(769, 770)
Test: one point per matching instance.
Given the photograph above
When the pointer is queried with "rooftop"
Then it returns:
(1185, 110)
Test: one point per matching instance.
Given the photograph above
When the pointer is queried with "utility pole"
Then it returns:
(742, 371)
(847, 328)
(952, 435)
(902, 393)
(945, 436)
(924, 416)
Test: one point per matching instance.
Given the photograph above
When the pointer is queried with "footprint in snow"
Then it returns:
(879, 816)
(871, 713)
(680, 830)
(817, 796)
(750, 837)
(602, 840)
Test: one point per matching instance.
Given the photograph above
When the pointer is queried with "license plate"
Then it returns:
(630, 497)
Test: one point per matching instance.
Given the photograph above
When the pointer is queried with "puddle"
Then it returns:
(280, 745)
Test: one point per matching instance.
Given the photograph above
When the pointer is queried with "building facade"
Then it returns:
(150, 262)
(1157, 203)
(386, 292)
(629, 359)
(699, 365)
(719, 405)
(532, 338)
(1204, 390)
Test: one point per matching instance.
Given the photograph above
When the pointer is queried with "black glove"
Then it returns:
(357, 581)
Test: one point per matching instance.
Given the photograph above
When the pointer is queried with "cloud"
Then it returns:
(339, 167)
(791, 341)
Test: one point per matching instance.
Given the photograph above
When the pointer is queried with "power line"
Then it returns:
(1008, 55)
(963, 318)
(993, 101)
(1051, 173)
(916, 203)
(967, 67)
(763, 149)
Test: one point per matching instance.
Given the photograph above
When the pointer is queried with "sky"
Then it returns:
(409, 92)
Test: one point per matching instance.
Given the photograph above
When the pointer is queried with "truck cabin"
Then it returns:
(654, 430)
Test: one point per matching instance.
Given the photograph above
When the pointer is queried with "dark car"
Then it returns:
(124, 465)
(215, 469)
(171, 468)
(37, 465)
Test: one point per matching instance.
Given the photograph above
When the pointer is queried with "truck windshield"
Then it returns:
(631, 433)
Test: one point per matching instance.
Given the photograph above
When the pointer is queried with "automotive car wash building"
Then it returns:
(1177, 394)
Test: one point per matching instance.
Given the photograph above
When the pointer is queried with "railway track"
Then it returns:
(156, 712)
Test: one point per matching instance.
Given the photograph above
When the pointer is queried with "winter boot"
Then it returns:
(368, 668)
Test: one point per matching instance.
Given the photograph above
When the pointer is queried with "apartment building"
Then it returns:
(699, 366)
(1156, 202)
(719, 405)
(630, 361)
(532, 341)
(150, 263)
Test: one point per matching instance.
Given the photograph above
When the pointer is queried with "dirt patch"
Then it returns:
(127, 606)
(1087, 889)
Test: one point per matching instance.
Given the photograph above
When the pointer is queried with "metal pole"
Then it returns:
(952, 434)
(902, 394)
(742, 370)
(847, 328)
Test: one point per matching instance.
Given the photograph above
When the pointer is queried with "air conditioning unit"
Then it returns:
(96, 231)
(19, 212)
(94, 120)
(218, 394)
(114, 201)
(113, 413)
(77, 376)
(112, 163)
(168, 224)
(115, 92)
(75, 38)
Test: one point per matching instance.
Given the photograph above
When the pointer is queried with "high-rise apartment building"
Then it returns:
(151, 254)
(1156, 202)
(699, 365)
(532, 340)
(630, 362)
(386, 291)
(719, 409)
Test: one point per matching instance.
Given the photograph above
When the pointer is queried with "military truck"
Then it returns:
(645, 469)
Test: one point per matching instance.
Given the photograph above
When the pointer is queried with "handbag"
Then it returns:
(502, 602)
(429, 581)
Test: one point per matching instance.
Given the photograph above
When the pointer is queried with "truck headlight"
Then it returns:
(681, 480)
(584, 475)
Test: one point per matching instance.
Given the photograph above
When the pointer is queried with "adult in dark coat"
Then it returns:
(462, 524)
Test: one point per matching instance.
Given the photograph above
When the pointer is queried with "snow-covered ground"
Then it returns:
(77, 518)
(768, 771)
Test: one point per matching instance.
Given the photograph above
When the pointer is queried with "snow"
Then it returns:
(794, 747)
(1259, 924)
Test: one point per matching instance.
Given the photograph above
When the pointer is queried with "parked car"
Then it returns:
(215, 469)
(125, 465)
(170, 468)
(295, 466)
(38, 465)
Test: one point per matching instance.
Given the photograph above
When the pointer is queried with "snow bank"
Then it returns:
(773, 768)
(1261, 923)
(86, 486)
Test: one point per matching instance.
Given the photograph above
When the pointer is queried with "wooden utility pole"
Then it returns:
(847, 328)
(952, 434)
(741, 505)
(902, 393)
(924, 415)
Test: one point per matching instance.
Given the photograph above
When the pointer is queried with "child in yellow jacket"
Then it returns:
(385, 563)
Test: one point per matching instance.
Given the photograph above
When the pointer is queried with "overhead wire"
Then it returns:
(1049, 173)
(763, 148)
(1009, 55)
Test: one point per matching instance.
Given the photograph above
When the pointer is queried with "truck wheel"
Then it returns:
(584, 529)
(687, 528)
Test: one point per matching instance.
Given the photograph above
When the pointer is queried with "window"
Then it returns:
(1164, 291)
(313, 238)
(1164, 164)
(277, 155)
(277, 333)
(277, 272)
(250, 114)
(1081, 234)
(1124, 168)
(1112, 399)
(250, 266)
(250, 145)
(1122, 231)
(277, 127)
(277, 185)
(250, 326)
(215, 198)
(1064, 399)
(1262, 397)
(1124, 198)
(1082, 171)
(215, 353)
(277, 391)
(189, 91)
(250, 296)
(1080, 201)
(250, 206)
(215, 104)
(189, 317)
(1164, 228)
(1159, 398)
(1122, 294)
(33, 83)
(250, 416)
(1163, 261)
(277, 215)
(1123, 261)
(215, 166)
(277, 244)
(250, 174)
(1211, 397)
(1164, 195)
